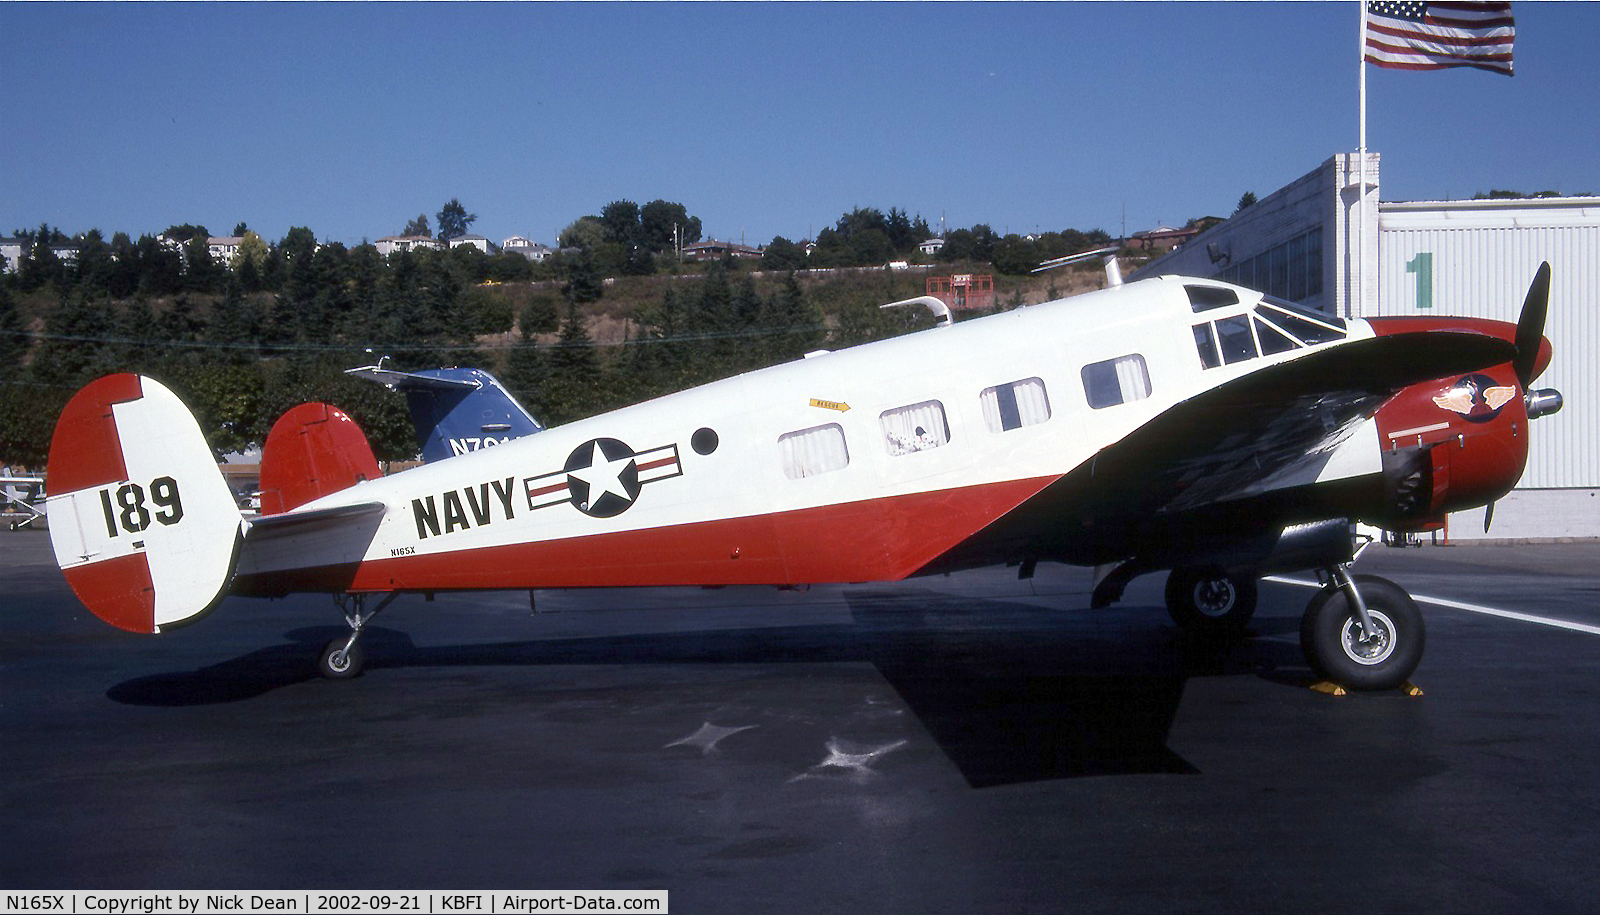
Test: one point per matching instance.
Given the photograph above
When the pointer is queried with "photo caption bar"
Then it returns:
(256, 902)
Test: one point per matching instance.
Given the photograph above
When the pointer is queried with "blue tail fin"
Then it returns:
(455, 410)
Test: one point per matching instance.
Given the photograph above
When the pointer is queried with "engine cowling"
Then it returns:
(1458, 442)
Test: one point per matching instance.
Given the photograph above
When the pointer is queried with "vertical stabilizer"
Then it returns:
(143, 525)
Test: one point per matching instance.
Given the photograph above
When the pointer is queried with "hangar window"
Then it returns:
(1014, 405)
(809, 452)
(1115, 381)
(918, 427)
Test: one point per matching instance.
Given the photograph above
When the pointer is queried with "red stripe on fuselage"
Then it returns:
(874, 540)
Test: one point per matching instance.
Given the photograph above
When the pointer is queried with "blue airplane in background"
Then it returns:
(455, 410)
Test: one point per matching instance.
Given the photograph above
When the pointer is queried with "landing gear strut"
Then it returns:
(1362, 631)
(342, 659)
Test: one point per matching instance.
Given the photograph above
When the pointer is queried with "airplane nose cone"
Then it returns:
(1543, 402)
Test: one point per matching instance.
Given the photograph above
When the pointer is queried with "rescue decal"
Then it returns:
(830, 405)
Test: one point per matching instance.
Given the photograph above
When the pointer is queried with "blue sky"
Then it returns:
(763, 119)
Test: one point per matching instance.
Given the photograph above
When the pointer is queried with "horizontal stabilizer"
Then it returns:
(410, 381)
(268, 527)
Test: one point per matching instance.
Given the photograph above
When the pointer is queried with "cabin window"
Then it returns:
(1014, 405)
(1237, 342)
(809, 452)
(1116, 381)
(1207, 345)
(918, 427)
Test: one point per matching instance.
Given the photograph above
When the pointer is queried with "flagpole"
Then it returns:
(1361, 151)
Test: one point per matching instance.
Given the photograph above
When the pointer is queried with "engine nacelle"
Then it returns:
(1459, 442)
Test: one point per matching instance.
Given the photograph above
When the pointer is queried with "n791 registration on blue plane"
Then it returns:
(1168, 424)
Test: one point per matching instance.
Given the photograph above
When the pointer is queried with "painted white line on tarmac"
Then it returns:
(1470, 608)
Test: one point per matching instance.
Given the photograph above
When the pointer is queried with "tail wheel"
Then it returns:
(1210, 599)
(341, 659)
(1338, 649)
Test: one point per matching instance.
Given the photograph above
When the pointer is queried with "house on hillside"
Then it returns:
(476, 241)
(531, 250)
(712, 249)
(1161, 238)
(931, 247)
(15, 249)
(224, 248)
(389, 244)
(11, 249)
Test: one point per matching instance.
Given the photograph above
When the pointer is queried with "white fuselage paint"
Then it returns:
(744, 477)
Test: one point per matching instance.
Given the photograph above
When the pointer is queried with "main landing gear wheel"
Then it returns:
(1210, 600)
(341, 659)
(1338, 647)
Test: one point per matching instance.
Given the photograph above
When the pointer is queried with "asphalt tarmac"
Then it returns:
(972, 743)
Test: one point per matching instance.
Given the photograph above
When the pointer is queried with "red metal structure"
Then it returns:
(963, 291)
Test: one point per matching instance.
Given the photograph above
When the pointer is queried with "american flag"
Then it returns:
(1414, 35)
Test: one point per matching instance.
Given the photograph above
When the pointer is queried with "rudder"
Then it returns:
(143, 525)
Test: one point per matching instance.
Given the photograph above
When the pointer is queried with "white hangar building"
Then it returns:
(1308, 241)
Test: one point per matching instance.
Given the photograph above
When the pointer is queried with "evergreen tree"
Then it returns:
(453, 220)
(13, 339)
(74, 350)
(572, 387)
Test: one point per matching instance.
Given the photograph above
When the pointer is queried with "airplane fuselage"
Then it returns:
(865, 464)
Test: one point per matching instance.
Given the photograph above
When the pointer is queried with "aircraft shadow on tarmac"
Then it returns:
(1012, 692)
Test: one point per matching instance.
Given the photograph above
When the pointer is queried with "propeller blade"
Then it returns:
(1488, 517)
(1530, 326)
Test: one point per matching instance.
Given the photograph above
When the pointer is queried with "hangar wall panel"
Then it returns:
(1477, 258)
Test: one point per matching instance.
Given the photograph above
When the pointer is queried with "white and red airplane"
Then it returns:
(1172, 423)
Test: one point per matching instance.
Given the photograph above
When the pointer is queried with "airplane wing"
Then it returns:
(1237, 440)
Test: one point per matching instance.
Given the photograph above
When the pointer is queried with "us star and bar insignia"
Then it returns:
(603, 477)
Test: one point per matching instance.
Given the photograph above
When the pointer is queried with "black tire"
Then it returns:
(1210, 600)
(331, 666)
(1328, 636)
